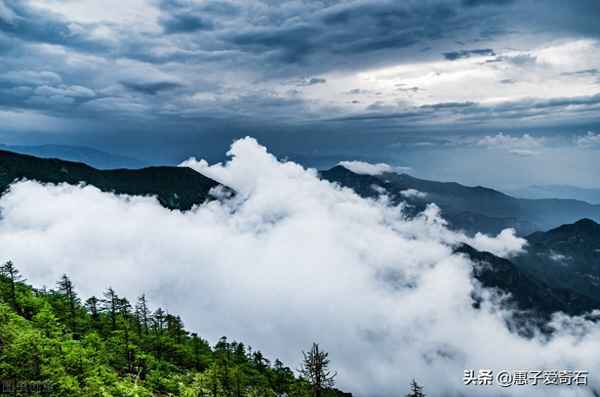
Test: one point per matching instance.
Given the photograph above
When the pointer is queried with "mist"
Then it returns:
(292, 259)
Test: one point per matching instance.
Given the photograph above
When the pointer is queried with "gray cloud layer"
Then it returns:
(185, 76)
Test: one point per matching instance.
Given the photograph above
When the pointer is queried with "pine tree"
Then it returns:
(223, 363)
(416, 390)
(158, 324)
(67, 290)
(10, 273)
(280, 380)
(142, 313)
(259, 361)
(92, 306)
(315, 370)
(111, 305)
(175, 327)
(198, 346)
(124, 308)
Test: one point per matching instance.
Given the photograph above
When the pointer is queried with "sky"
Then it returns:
(470, 90)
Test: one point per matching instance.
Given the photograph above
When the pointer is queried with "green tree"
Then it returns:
(142, 314)
(11, 276)
(315, 369)
(92, 306)
(111, 306)
(281, 378)
(106, 358)
(67, 290)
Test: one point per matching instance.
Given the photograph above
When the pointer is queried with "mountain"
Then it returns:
(82, 154)
(565, 257)
(527, 292)
(175, 187)
(558, 191)
(473, 209)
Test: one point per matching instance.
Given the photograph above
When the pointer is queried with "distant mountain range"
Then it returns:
(566, 257)
(557, 191)
(472, 209)
(175, 187)
(82, 154)
(528, 292)
(560, 271)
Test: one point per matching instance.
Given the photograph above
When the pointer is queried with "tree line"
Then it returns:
(107, 346)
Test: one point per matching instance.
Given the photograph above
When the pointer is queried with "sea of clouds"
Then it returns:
(293, 259)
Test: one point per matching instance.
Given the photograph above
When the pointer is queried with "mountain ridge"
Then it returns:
(472, 209)
(567, 256)
(175, 187)
(90, 156)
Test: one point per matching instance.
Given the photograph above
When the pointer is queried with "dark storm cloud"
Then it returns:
(246, 48)
(150, 88)
(473, 112)
(448, 105)
(365, 32)
(290, 44)
(185, 23)
(477, 3)
(454, 55)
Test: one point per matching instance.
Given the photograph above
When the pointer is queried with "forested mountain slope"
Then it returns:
(64, 346)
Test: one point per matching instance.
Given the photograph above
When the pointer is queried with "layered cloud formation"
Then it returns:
(144, 67)
(290, 260)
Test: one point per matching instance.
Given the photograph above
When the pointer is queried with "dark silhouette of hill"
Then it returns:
(175, 187)
(566, 257)
(527, 292)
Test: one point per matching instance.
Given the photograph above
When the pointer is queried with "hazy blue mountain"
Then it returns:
(468, 208)
(82, 154)
(557, 191)
(528, 293)
(566, 257)
(175, 187)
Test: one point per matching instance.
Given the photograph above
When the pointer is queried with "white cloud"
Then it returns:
(525, 145)
(413, 193)
(364, 168)
(290, 260)
(505, 245)
(588, 141)
(134, 14)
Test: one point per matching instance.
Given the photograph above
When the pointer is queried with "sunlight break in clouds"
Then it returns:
(289, 260)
